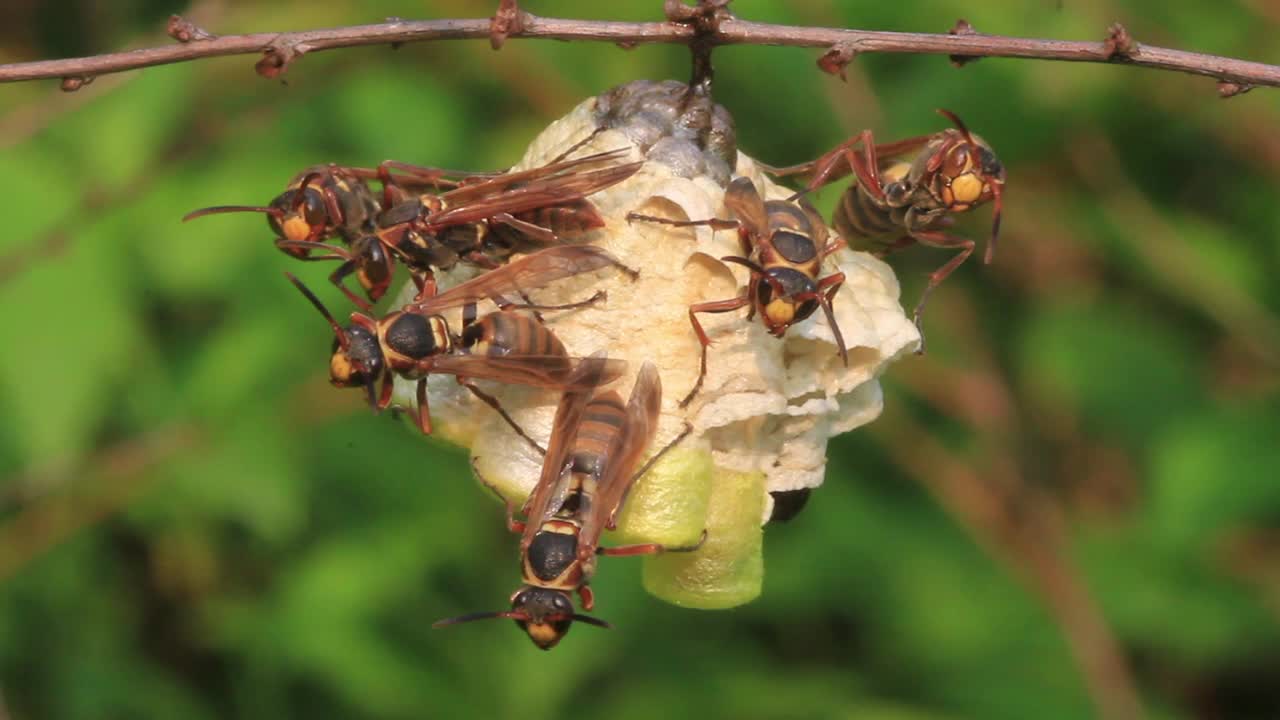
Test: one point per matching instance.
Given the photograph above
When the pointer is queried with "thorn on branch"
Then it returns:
(1119, 44)
(74, 83)
(277, 57)
(962, 27)
(507, 21)
(185, 31)
(1229, 89)
(836, 59)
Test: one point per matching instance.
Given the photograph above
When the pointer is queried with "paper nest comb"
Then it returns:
(767, 406)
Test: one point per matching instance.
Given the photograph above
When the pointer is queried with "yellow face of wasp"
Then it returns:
(779, 314)
(965, 190)
(341, 369)
(295, 227)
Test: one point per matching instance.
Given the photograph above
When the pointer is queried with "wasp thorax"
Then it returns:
(549, 613)
(412, 336)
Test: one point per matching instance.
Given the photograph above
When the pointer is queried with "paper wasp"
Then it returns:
(783, 246)
(954, 171)
(596, 443)
(506, 346)
(325, 202)
(482, 221)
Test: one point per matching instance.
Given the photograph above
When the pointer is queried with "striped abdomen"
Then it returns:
(858, 215)
(566, 219)
(602, 420)
(510, 333)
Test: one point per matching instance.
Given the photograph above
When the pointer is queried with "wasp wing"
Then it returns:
(744, 200)
(534, 194)
(634, 438)
(552, 485)
(496, 185)
(552, 372)
(530, 272)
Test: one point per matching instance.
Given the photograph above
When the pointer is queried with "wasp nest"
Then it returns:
(767, 407)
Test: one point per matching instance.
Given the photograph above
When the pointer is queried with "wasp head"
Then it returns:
(357, 355)
(357, 358)
(785, 296)
(544, 614)
(969, 175)
(298, 214)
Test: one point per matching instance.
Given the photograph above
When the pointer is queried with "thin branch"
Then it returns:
(964, 44)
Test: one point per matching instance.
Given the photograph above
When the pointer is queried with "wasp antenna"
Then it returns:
(955, 120)
(591, 621)
(998, 191)
(753, 267)
(835, 329)
(337, 329)
(470, 617)
(229, 209)
(372, 392)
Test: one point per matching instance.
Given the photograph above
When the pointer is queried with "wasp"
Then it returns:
(596, 442)
(325, 202)
(484, 221)
(907, 202)
(783, 245)
(504, 345)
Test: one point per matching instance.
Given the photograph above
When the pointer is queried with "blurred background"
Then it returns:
(1070, 508)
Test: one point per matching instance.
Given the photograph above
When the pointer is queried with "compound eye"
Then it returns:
(313, 208)
(991, 166)
(562, 604)
(764, 290)
(957, 160)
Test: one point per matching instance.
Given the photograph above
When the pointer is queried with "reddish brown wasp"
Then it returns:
(783, 246)
(506, 346)
(596, 443)
(954, 171)
(321, 202)
(482, 221)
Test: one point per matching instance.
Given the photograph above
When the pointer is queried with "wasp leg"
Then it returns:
(424, 410)
(831, 285)
(513, 524)
(575, 146)
(586, 597)
(535, 232)
(714, 306)
(479, 259)
(937, 239)
(492, 402)
(337, 277)
(426, 282)
(901, 243)
(649, 548)
(529, 304)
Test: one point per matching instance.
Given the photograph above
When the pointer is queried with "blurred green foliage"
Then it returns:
(192, 524)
